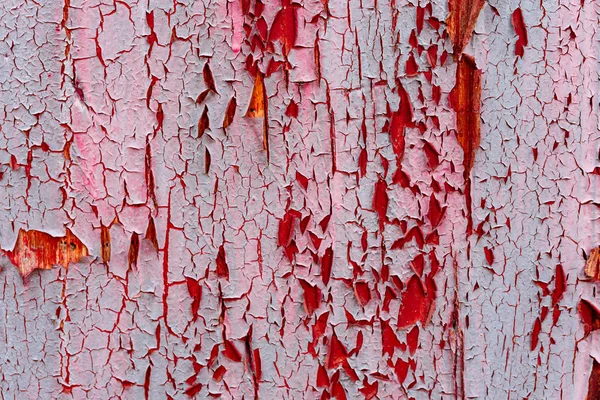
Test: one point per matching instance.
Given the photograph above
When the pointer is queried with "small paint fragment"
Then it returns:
(412, 340)
(412, 68)
(229, 113)
(209, 81)
(258, 107)
(312, 296)
(326, 264)
(369, 390)
(231, 352)
(535, 333)
(222, 268)
(105, 249)
(560, 285)
(489, 255)
(151, 234)
(286, 227)
(362, 292)
(389, 340)
(380, 202)
(594, 382)
(134, 250)
(401, 370)
(589, 315)
(401, 119)
(203, 123)
(322, 377)
(292, 110)
(435, 212)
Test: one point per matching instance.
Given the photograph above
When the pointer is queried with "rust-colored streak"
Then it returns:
(35, 249)
(521, 30)
(134, 250)
(461, 21)
(203, 123)
(209, 81)
(105, 243)
(465, 99)
(149, 174)
(151, 234)
(592, 266)
(258, 107)
(229, 113)
(594, 382)
(207, 160)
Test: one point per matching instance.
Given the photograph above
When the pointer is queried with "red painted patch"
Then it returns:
(560, 284)
(284, 27)
(415, 304)
(400, 120)
(521, 30)
(222, 268)
(195, 290)
(380, 201)
(312, 296)
(229, 113)
(537, 327)
(412, 340)
(590, 316)
(326, 264)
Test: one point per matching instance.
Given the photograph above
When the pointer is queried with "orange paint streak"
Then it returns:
(465, 99)
(258, 107)
(461, 21)
(35, 249)
(592, 265)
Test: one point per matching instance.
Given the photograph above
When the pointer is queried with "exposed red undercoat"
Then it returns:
(35, 249)
(521, 30)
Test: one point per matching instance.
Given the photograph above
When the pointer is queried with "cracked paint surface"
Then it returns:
(299, 199)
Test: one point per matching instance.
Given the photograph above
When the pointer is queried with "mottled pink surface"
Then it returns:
(342, 265)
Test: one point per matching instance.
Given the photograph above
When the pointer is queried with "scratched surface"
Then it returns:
(299, 199)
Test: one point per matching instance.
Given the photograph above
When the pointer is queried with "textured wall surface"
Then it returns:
(299, 199)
